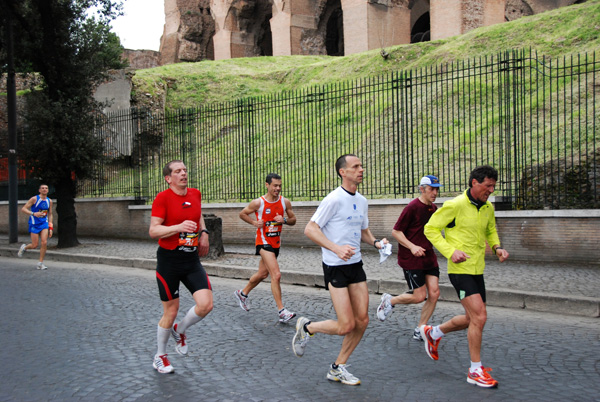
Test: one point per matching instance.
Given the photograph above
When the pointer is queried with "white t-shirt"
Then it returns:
(341, 217)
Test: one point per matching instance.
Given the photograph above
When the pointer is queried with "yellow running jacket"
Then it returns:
(466, 229)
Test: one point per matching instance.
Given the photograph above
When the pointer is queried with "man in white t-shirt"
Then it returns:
(339, 225)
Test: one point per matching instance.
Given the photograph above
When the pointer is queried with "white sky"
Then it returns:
(142, 25)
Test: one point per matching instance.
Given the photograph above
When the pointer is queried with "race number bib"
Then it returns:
(273, 229)
(188, 242)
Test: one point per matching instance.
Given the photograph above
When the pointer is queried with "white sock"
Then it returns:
(475, 366)
(436, 332)
(162, 337)
(190, 319)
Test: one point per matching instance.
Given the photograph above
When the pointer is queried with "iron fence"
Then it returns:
(534, 119)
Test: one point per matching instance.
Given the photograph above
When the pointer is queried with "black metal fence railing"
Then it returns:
(535, 120)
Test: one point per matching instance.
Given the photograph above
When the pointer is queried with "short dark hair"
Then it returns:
(340, 163)
(272, 176)
(167, 169)
(481, 172)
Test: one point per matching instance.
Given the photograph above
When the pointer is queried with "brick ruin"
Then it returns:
(221, 29)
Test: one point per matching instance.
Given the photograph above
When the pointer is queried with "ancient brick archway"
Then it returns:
(223, 29)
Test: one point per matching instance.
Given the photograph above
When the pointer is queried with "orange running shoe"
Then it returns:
(431, 345)
(483, 379)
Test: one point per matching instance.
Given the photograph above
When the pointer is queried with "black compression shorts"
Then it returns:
(174, 267)
(467, 285)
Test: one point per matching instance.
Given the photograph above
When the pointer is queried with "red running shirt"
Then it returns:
(270, 233)
(175, 209)
(411, 222)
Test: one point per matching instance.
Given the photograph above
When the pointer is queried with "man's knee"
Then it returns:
(479, 319)
(276, 276)
(204, 308)
(345, 328)
(419, 295)
(170, 314)
(434, 293)
(362, 322)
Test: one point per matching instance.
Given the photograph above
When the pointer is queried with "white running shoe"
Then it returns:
(40, 265)
(417, 335)
(243, 300)
(301, 337)
(181, 347)
(21, 250)
(341, 374)
(285, 315)
(385, 307)
(162, 364)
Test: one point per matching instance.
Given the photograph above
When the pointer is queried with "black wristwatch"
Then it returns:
(496, 249)
(376, 240)
(285, 221)
(205, 231)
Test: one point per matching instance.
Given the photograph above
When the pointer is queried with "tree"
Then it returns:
(73, 53)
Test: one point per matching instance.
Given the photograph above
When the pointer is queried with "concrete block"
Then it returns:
(447, 293)
(583, 306)
(144, 263)
(77, 258)
(300, 278)
(392, 287)
(116, 261)
(504, 298)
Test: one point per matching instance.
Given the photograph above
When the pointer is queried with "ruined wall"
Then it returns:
(188, 32)
(223, 29)
(141, 59)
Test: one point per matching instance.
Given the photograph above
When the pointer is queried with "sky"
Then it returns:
(142, 25)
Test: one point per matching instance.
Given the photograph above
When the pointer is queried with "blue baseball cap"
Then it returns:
(430, 181)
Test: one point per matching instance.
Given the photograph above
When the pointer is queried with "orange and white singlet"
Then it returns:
(270, 233)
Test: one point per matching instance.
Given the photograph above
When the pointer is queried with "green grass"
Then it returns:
(561, 32)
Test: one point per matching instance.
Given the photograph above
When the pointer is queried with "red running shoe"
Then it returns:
(482, 379)
(431, 345)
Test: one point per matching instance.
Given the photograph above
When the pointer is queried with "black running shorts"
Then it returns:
(268, 248)
(415, 278)
(340, 276)
(467, 285)
(173, 267)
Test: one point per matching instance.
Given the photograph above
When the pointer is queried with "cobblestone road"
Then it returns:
(75, 333)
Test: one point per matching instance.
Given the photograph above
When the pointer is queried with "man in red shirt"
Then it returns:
(269, 219)
(416, 256)
(178, 225)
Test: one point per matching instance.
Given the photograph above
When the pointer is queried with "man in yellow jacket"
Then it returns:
(468, 222)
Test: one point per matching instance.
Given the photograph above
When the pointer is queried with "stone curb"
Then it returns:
(535, 301)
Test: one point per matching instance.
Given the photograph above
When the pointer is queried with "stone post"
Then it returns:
(455, 17)
(370, 25)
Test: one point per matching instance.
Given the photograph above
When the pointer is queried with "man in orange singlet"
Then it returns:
(269, 219)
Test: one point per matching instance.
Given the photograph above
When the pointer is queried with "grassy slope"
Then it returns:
(564, 31)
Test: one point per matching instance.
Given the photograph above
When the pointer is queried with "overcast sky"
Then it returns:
(142, 25)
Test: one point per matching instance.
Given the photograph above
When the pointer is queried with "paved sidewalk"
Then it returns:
(558, 288)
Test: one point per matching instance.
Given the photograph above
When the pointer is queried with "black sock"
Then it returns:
(334, 366)
(242, 293)
(306, 329)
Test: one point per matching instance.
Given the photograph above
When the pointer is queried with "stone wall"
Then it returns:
(142, 59)
(569, 236)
